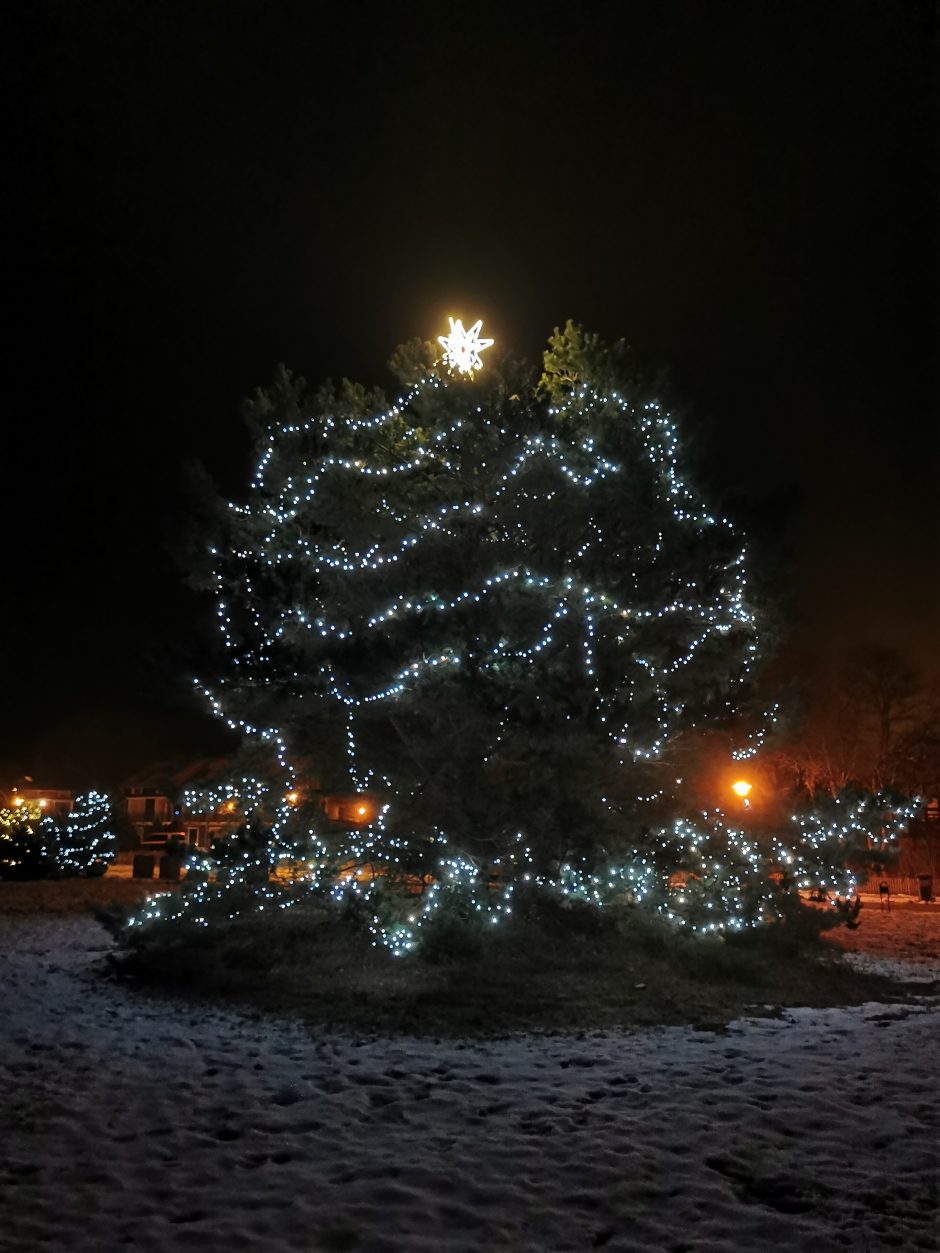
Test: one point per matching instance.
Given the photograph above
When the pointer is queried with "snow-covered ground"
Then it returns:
(134, 1123)
(903, 940)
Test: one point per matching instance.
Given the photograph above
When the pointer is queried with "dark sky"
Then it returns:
(194, 192)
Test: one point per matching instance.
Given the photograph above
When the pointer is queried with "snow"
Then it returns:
(902, 941)
(134, 1122)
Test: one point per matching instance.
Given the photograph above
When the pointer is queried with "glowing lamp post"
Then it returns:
(742, 788)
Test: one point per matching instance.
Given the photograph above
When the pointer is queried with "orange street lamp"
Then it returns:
(742, 788)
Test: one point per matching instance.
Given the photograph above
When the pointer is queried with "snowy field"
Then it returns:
(131, 1123)
(903, 940)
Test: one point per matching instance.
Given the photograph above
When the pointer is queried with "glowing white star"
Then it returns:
(462, 348)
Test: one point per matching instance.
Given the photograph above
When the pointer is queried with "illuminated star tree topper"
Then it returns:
(462, 348)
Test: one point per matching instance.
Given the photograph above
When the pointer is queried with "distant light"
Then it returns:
(462, 348)
(43, 803)
(293, 798)
(362, 810)
(17, 800)
(742, 787)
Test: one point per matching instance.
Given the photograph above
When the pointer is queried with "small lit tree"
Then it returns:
(34, 846)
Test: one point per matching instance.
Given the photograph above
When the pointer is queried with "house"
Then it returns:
(155, 802)
(354, 810)
(919, 845)
(912, 863)
(40, 801)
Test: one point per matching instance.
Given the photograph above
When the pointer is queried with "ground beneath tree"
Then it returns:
(133, 1122)
(904, 938)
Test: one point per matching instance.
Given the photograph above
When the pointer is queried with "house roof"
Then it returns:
(159, 774)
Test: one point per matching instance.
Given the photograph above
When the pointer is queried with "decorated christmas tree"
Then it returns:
(489, 608)
(33, 845)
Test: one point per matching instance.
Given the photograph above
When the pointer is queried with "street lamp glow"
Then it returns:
(742, 788)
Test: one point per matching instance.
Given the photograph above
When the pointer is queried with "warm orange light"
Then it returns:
(43, 804)
(293, 798)
(362, 810)
(742, 787)
(17, 800)
(230, 807)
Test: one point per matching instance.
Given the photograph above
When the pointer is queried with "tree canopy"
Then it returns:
(493, 606)
(486, 599)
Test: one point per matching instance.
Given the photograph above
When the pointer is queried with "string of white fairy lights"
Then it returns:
(720, 615)
(726, 890)
(71, 843)
(719, 890)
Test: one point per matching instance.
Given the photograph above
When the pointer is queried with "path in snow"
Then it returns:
(131, 1123)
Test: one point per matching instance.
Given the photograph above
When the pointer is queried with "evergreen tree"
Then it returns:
(36, 846)
(494, 595)
(491, 604)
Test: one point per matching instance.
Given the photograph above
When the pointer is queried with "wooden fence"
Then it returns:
(897, 886)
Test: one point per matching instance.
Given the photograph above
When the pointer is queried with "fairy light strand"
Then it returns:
(637, 621)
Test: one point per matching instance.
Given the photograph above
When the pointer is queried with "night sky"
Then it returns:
(195, 192)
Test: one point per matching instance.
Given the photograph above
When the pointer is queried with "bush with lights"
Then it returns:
(34, 846)
(492, 605)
